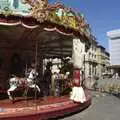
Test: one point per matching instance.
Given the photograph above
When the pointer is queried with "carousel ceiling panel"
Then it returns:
(49, 43)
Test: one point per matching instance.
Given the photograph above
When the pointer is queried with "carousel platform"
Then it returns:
(42, 108)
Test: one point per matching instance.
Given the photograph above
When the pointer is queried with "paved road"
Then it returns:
(102, 108)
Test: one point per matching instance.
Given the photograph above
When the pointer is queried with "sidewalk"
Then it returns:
(104, 107)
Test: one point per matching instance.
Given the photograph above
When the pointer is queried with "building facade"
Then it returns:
(91, 60)
(114, 48)
(96, 60)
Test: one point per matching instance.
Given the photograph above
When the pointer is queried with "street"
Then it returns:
(104, 107)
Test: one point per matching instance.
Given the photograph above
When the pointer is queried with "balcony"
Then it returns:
(94, 61)
(90, 60)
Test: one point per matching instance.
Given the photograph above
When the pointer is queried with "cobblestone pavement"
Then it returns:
(104, 107)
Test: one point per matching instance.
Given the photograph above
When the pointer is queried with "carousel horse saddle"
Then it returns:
(16, 81)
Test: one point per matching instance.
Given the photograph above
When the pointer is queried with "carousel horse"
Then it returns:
(16, 83)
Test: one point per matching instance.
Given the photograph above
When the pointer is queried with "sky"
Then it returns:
(102, 15)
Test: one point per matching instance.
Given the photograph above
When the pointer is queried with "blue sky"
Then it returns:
(102, 15)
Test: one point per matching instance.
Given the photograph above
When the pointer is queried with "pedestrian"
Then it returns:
(77, 94)
(47, 79)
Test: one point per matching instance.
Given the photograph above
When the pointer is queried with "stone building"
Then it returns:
(114, 48)
(90, 60)
(96, 60)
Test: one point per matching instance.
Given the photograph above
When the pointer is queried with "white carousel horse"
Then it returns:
(16, 82)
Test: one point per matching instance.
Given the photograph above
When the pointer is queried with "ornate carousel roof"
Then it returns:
(42, 16)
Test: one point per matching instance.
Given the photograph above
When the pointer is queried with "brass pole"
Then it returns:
(36, 62)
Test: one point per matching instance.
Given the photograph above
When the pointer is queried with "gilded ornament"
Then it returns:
(39, 9)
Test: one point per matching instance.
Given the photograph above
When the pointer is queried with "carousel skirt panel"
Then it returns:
(43, 108)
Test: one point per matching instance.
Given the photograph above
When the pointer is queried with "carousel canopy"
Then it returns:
(49, 44)
(25, 23)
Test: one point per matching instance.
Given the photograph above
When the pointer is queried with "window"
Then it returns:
(16, 3)
(89, 70)
(89, 55)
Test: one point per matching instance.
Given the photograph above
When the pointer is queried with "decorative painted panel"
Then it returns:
(15, 7)
(42, 11)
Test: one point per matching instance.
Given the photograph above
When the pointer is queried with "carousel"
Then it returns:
(42, 49)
